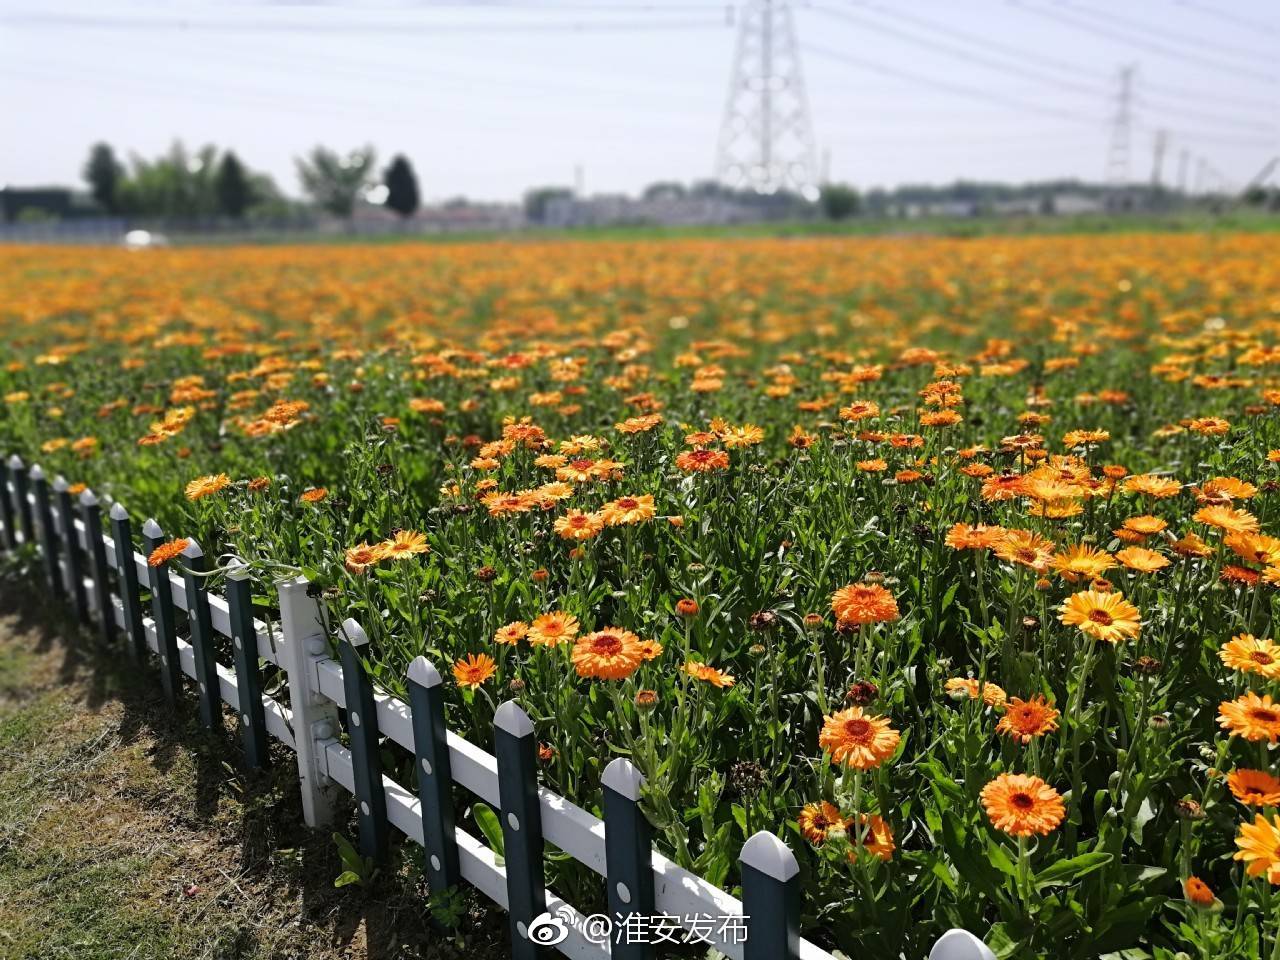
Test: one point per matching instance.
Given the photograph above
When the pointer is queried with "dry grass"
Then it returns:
(129, 832)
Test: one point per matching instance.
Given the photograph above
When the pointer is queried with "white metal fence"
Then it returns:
(651, 899)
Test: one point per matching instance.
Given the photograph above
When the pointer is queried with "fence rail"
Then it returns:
(649, 896)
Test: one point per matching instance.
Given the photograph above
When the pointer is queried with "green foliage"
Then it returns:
(103, 172)
(357, 869)
(402, 187)
(233, 187)
(335, 182)
(839, 201)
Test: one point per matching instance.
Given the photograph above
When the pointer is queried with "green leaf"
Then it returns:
(491, 827)
(347, 878)
(1065, 871)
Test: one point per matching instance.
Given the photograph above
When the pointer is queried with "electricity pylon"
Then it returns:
(766, 139)
(1121, 130)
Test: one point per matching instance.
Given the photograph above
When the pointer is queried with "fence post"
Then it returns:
(162, 614)
(48, 536)
(91, 517)
(6, 508)
(315, 718)
(127, 570)
(435, 775)
(515, 746)
(362, 724)
(628, 851)
(959, 944)
(244, 643)
(75, 559)
(18, 470)
(770, 899)
(202, 640)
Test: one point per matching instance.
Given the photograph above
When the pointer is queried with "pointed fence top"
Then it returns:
(192, 550)
(88, 498)
(15, 462)
(60, 484)
(423, 672)
(770, 856)
(237, 569)
(621, 776)
(513, 720)
(152, 529)
(354, 633)
(36, 472)
(118, 512)
(960, 945)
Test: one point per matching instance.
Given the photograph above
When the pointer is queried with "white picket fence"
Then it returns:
(309, 725)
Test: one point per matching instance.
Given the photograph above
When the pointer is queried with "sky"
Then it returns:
(490, 97)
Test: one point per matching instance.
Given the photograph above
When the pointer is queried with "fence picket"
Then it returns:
(202, 639)
(99, 570)
(435, 776)
(244, 645)
(21, 486)
(127, 572)
(315, 717)
(74, 556)
(162, 613)
(48, 536)
(6, 508)
(770, 899)
(362, 725)
(516, 750)
(628, 844)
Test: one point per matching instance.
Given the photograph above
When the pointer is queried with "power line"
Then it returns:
(1199, 43)
(1216, 13)
(1144, 44)
(1024, 73)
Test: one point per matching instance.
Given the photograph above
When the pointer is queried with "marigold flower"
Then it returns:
(1025, 720)
(1022, 805)
(608, 654)
(628, 510)
(167, 551)
(577, 525)
(857, 739)
(552, 629)
(1227, 519)
(1141, 559)
(1105, 616)
(512, 633)
(876, 836)
(1259, 848)
(820, 821)
(708, 674)
(702, 461)
(474, 670)
(314, 495)
(959, 688)
(1198, 892)
(207, 486)
(859, 603)
(1254, 788)
(405, 544)
(1251, 716)
(362, 556)
(1250, 654)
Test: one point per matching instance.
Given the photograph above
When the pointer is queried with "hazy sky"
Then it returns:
(487, 98)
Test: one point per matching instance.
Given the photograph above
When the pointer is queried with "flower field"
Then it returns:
(952, 561)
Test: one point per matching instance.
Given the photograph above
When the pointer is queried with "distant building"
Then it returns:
(665, 209)
(35, 204)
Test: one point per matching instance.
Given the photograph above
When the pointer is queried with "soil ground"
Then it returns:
(127, 831)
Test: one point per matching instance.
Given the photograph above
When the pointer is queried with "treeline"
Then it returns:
(209, 183)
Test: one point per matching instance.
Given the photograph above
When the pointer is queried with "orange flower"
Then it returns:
(1254, 788)
(860, 603)
(958, 688)
(474, 670)
(1259, 844)
(858, 739)
(405, 544)
(362, 556)
(1106, 616)
(700, 671)
(552, 629)
(1250, 654)
(608, 654)
(314, 495)
(702, 461)
(167, 551)
(877, 837)
(1022, 805)
(1227, 519)
(979, 537)
(1141, 559)
(1251, 716)
(1027, 719)
(1198, 892)
(1025, 548)
(820, 821)
(576, 525)
(207, 486)
(628, 510)
(511, 634)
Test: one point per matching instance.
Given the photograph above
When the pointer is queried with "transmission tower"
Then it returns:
(1121, 124)
(766, 139)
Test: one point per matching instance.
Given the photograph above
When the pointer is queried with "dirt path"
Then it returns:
(129, 832)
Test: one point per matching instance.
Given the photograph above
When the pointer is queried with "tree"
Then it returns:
(176, 186)
(839, 201)
(335, 182)
(103, 173)
(402, 186)
(232, 186)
